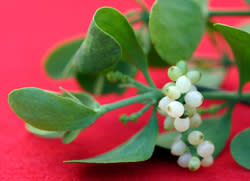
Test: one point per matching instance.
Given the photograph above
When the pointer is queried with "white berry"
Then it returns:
(167, 85)
(175, 109)
(194, 163)
(173, 92)
(195, 137)
(169, 123)
(183, 83)
(163, 103)
(205, 149)
(195, 121)
(182, 125)
(184, 159)
(193, 98)
(194, 76)
(178, 148)
(207, 161)
(174, 73)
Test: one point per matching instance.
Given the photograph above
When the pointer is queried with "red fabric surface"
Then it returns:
(28, 28)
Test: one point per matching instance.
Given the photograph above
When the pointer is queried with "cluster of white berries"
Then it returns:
(179, 106)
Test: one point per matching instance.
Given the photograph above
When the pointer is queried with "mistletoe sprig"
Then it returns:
(108, 58)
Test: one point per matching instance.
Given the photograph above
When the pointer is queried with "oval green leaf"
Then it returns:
(139, 148)
(99, 84)
(108, 41)
(50, 111)
(176, 28)
(57, 64)
(43, 133)
(240, 148)
(239, 41)
(216, 130)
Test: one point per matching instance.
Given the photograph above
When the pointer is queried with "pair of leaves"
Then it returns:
(107, 42)
(240, 148)
(239, 41)
(216, 130)
(50, 111)
(138, 148)
(177, 27)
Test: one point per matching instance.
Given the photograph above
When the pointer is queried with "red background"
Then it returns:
(27, 29)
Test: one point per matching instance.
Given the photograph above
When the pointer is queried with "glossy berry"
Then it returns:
(174, 73)
(183, 160)
(183, 66)
(182, 125)
(175, 109)
(195, 137)
(193, 98)
(195, 121)
(194, 163)
(173, 92)
(207, 161)
(178, 148)
(183, 84)
(163, 103)
(205, 149)
(167, 85)
(194, 76)
(169, 123)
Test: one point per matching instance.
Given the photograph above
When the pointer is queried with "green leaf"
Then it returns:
(139, 148)
(58, 60)
(43, 133)
(240, 148)
(211, 77)
(165, 140)
(107, 42)
(50, 111)
(154, 59)
(99, 84)
(70, 136)
(239, 41)
(85, 99)
(216, 130)
(246, 27)
(176, 28)
(248, 1)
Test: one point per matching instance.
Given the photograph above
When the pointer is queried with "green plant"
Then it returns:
(107, 59)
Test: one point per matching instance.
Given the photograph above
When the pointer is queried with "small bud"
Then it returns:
(181, 125)
(183, 66)
(183, 84)
(173, 92)
(194, 76)
(205, 149)
(195, 121)
(194, 163)
(169, 123)
(178, 148)
(175, 109)
(174, 73)
(207, 161)
(163, 103)
(195, 137)
(167, 85)
(193, 98)
(183, 160)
